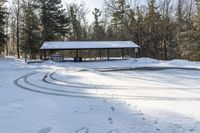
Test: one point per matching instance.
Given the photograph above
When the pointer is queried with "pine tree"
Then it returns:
(152, 25)
(30, 35)
(179, 25)
(62, 26)
(76, 26)
(53, 18)
(2, 25)
(78, 23)
(167, 29)
(122, 16)
(191, 47)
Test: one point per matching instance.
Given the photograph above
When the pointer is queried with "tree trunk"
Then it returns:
(165, 50)
(18, 54)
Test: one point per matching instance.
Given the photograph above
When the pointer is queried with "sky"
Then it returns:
(89, 3)
(94, 3)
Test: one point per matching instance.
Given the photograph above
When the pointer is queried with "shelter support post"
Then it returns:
(136, 52)
(108, 54)
(76, 53)
(45, 57)
(100, 54)
(122, 53)
(85, 55)
(51, 52)
(90, 54)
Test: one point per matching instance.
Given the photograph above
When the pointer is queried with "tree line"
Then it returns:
(164, 29)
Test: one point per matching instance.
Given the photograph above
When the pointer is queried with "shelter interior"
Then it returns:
(79, 55)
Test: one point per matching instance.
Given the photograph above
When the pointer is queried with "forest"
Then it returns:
(164, 29)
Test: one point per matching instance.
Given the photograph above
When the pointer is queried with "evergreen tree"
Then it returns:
(2, 25)
(78, 23)
(30, 35)
(53, 18)
(122, 19)
(152, 25)
(167, 29)
(76, 26)
(180, 21)
(191, 48)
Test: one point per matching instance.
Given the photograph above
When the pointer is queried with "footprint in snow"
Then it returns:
(110, 120)
(45, 130)
(113, 109)
(157, 129)
(191, 130)
(83, 130)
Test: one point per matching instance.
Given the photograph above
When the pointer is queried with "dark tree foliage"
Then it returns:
(164, 29)
(30, 34)
(53, 19)
(3, 36)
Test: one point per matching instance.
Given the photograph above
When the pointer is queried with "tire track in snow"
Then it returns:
(96, 94)
(16, 82)
(146, 69)
(88, 87)
(82, 94)
(46, 90)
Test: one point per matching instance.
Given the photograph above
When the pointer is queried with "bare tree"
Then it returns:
(15, 11)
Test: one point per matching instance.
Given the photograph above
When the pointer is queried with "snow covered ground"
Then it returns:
(130, 96)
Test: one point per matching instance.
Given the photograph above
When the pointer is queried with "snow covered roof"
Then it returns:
(88, 45)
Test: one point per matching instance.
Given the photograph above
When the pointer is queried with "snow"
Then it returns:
(89, 45)
(123, 96)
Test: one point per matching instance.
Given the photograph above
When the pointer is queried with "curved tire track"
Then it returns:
(86, 87)
(80, 94)
(16, 82)
(45, 90)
